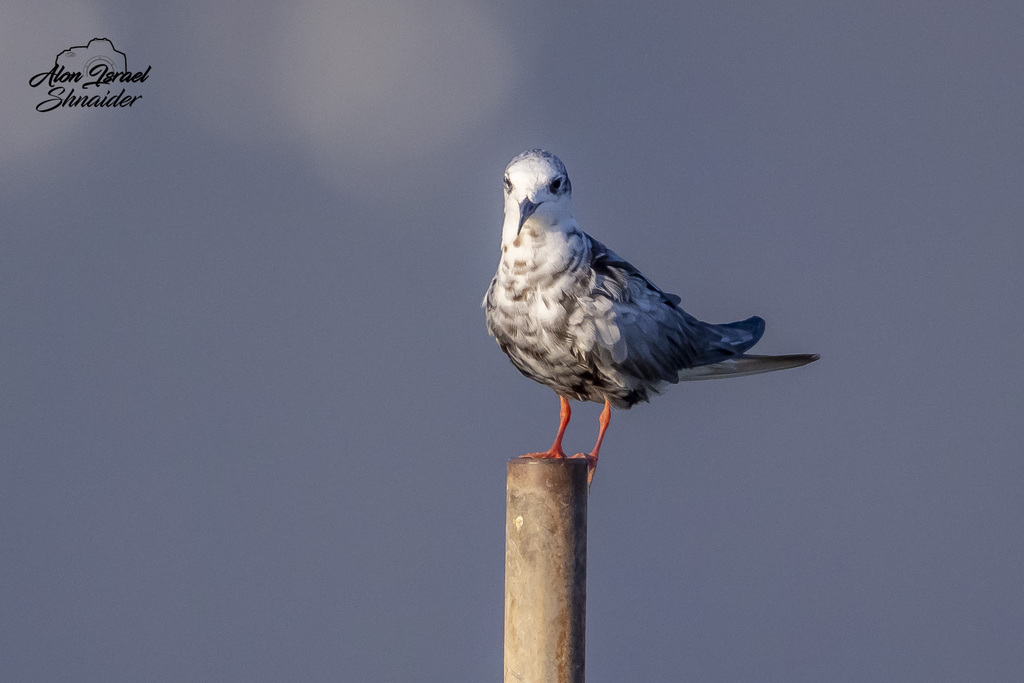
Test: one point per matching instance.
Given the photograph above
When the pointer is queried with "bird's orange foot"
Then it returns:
(591, 465)
(550, 453)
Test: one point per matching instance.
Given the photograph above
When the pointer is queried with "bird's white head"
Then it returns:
(538, 193)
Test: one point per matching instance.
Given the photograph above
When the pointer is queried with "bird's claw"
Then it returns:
(591, 465)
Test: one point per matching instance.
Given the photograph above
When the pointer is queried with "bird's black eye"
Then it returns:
(508, 185)
(555, 186)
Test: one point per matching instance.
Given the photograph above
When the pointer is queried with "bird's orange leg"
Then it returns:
(556, 451)
(605, 420)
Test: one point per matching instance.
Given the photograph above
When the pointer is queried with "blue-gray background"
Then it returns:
(253, 428)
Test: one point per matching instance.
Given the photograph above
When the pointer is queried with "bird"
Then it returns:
(575, 316)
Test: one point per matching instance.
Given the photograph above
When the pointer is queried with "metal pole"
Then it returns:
(545, 570)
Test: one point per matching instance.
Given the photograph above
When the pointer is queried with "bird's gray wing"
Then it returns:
(648, 335)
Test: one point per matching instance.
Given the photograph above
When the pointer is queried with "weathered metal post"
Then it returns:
(545, 570)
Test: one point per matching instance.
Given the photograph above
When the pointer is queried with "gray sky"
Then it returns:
(253, 426)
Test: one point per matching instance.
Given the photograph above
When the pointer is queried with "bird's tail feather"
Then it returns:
(743, 365)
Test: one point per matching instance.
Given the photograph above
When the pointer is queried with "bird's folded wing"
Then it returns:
(653, 339)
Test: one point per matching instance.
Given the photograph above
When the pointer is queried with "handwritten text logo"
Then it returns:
(89, 69)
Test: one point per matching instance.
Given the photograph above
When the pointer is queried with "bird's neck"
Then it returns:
(543, 249)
